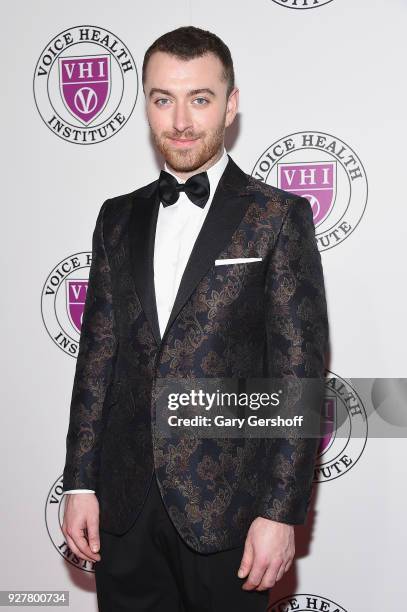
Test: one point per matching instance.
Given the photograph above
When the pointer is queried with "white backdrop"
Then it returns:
(337, 69)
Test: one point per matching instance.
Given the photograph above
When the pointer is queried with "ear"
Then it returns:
(232, 106)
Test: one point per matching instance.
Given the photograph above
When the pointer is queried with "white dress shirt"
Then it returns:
(178, 226)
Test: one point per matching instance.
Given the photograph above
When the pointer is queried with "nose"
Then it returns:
(181, 119)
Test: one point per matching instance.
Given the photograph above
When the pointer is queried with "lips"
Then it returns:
(183, 140)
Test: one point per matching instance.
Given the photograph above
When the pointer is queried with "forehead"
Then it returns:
(165, 70)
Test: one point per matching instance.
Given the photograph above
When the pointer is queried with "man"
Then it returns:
(203, 273)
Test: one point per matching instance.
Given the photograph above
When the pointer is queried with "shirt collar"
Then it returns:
(214, 172)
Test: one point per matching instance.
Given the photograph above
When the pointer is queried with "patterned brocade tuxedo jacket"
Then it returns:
(264, 318)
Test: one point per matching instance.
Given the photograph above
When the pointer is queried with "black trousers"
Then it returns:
(151, 568)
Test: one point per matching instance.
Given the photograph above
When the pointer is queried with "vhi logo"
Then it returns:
(85, 84)
(304, 602)
(344, 430)
(302, 4)
(326, 171)
(63, 300)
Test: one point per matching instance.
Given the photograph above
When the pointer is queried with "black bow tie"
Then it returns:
(196, 188)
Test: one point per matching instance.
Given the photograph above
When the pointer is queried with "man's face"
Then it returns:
(187, 109)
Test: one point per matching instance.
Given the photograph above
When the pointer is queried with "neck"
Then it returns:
(210, 162)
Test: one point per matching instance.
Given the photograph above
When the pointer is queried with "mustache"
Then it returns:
(185, 136)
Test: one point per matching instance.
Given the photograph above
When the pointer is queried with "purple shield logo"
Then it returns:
(85, 85)
(315, 181)
(328, 421)
(76, 290)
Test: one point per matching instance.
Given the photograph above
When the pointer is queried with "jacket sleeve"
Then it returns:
(297, 343)
(93, 373)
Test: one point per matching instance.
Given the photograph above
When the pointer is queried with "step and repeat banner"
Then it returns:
(322, 114)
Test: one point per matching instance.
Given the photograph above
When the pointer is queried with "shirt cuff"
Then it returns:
(78, 491)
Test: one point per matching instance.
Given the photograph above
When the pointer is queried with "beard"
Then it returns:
(190, 159)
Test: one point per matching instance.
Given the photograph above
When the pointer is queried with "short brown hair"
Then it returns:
(188, 42)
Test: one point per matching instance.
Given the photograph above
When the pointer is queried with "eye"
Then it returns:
(202, 100)
(157, 102)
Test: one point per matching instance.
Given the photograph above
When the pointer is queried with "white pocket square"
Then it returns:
(236, 260)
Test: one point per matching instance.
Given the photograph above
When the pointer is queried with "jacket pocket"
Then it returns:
(237, 260)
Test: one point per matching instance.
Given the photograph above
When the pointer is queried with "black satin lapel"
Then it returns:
(142, 226)
(227, 209)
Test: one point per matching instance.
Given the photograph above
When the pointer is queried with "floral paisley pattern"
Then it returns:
(260, 319)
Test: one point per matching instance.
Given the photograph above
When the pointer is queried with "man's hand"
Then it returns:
(81, 518)
(268, 553)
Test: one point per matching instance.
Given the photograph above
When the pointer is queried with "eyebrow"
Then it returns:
(190, 93)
